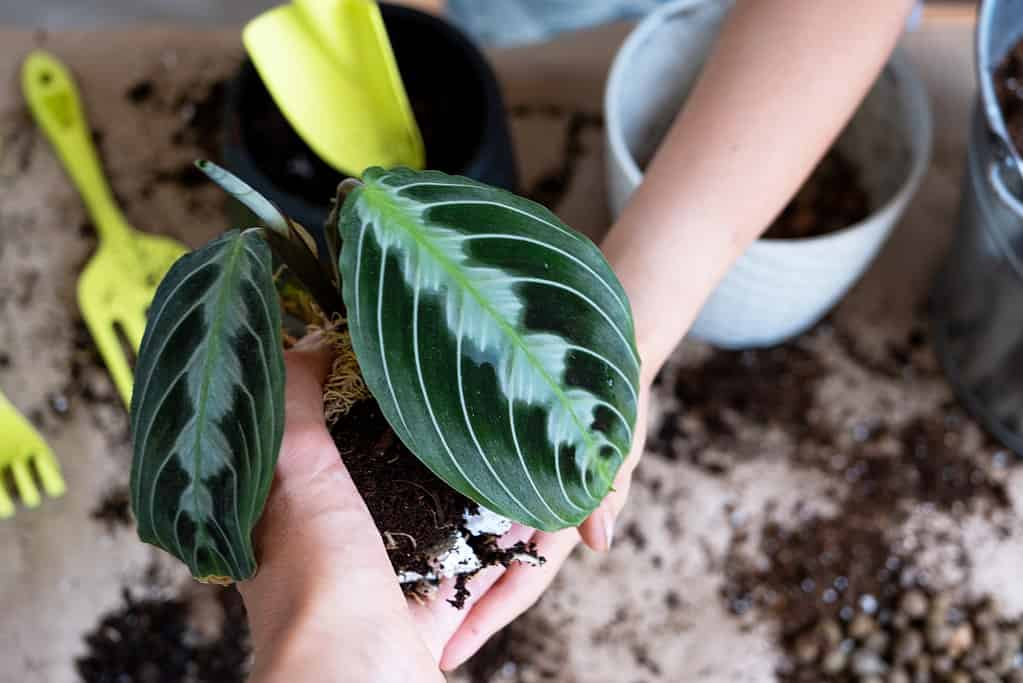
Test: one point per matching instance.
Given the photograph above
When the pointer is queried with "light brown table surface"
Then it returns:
(605, 619)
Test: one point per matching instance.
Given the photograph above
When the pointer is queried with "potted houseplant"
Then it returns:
(454, 95)
(478, 340)
(779, 287)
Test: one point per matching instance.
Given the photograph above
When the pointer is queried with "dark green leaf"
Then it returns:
(497, 341)
(207, 412)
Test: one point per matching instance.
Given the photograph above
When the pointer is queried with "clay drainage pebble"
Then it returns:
(919, 637)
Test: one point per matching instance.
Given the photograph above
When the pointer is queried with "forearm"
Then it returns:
(784, 78)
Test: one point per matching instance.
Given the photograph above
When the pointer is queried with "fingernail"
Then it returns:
(609, 529)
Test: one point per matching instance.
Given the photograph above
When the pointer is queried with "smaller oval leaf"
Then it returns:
(497, 340)
(207, 413)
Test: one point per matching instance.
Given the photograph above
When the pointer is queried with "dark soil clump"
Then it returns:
(832, 198)
(114, 509)
(1009, 89)
(155, 641)
(140, 92)
(414, 510)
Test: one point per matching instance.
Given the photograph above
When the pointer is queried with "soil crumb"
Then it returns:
(1009, 90)
(832, 198)
(114, 509)
(140, 92)
(158, 641)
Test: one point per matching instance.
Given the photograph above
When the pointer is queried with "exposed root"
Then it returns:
(423, 592)
(438, 511)
(215, 580)
(392, 544)
(345, 386)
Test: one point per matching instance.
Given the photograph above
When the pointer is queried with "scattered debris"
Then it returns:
(155, 640)
(114, 509)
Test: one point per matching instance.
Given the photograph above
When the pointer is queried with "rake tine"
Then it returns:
(113, 356)
(49, 474)
(27, 490)
(6, 505)
(134, 329)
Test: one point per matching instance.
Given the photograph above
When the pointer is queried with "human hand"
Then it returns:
(326, 604)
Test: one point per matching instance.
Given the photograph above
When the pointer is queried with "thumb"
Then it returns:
(316, 542)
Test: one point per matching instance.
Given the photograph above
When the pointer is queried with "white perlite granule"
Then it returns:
(486, 522)
(456, 556)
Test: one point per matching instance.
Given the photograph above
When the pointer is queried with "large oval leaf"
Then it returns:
(497, 341)
(207, 411)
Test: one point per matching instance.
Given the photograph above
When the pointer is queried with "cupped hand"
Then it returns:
(325, 604)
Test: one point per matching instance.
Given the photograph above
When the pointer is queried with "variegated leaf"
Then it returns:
(207, 411)
(497, 341)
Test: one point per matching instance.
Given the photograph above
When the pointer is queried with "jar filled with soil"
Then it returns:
(976, 301)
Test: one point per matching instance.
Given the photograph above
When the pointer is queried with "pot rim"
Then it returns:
(921, 136)
(475, 60)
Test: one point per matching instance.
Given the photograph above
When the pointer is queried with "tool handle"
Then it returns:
(53, 99)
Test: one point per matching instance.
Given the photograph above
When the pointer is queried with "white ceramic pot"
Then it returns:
(777, 288)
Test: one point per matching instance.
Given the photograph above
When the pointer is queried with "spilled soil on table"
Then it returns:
(170, 640)
(834, 584)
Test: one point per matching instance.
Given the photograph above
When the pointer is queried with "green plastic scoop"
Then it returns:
(329, 67)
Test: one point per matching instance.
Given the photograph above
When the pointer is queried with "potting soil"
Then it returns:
(1009, 88)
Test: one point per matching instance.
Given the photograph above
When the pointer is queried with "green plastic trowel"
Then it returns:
(329, 67)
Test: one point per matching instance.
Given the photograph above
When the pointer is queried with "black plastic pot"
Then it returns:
(453, 92)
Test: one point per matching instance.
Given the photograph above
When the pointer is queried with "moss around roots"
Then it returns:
(345, 386)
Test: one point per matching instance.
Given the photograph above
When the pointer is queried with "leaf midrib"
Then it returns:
(378, 197)
(212, 346)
